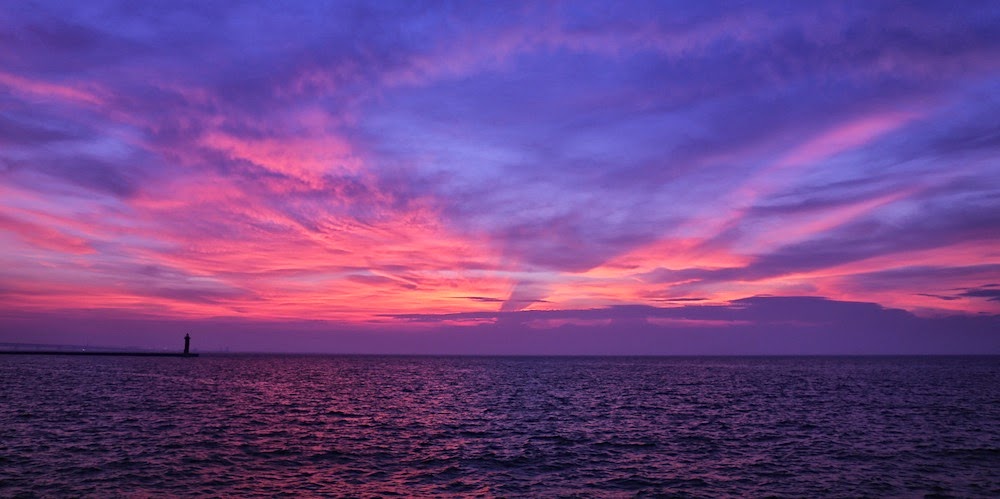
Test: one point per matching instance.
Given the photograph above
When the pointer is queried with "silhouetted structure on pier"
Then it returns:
(40, 349)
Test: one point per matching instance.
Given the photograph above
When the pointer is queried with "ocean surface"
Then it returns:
(499, 426)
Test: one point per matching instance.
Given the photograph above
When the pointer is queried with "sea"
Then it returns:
(364, 426)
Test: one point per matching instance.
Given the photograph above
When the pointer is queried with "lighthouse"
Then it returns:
(187, 344)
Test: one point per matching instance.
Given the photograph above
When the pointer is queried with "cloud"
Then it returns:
(940, 297)
(483, 299)
(350, 161)
(523, 295)
(15, 131)
(45, 237)
(989, 293)
(756, 310)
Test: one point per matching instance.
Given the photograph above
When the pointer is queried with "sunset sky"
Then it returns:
(501, 177)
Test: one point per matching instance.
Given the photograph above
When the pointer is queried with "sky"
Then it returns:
(502, 177)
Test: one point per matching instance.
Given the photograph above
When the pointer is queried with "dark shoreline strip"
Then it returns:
(106, 354)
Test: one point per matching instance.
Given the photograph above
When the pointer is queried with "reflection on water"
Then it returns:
(306, 425)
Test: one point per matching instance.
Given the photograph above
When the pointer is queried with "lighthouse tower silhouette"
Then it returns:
(187, 344)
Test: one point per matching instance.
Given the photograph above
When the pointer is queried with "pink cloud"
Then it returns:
(45, 237)
(44, 90)
(843, 138)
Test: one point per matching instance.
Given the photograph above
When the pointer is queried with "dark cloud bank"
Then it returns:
(751, 326)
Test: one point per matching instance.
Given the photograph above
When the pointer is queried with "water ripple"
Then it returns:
(576, 427)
